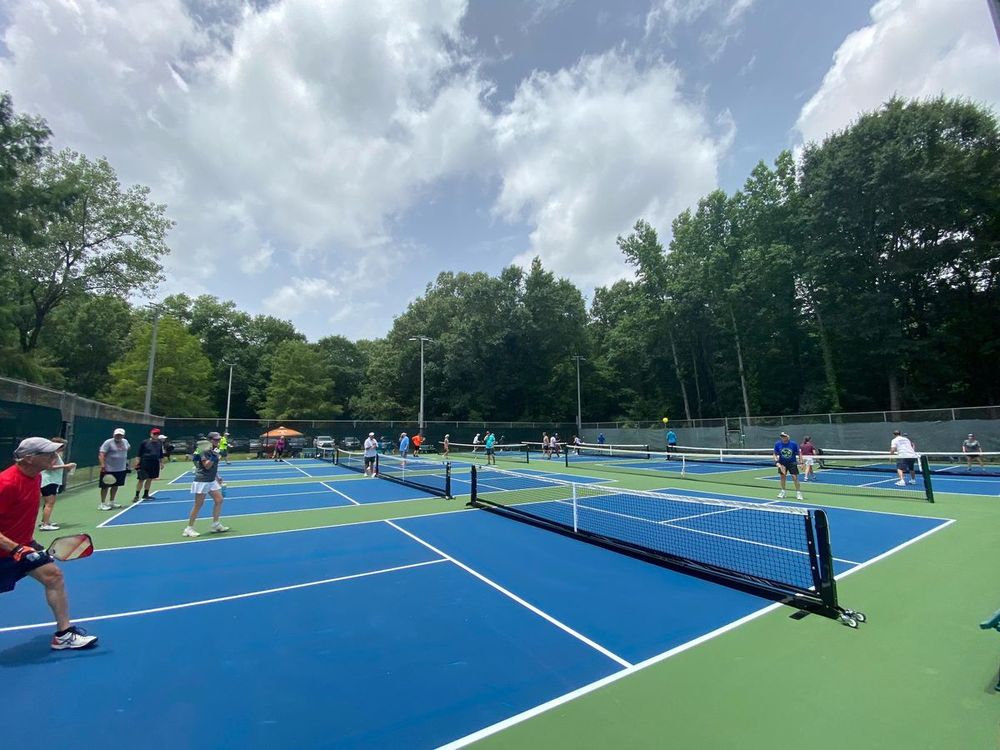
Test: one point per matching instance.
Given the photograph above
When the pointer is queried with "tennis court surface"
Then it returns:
(408, 632)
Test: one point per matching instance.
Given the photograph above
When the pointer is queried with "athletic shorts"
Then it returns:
(12, 571)
(203, 488)
(791, 468)
(119, 478)
(906, 464)
(50, 490)
(149, 470)
(809, 460)
(489, 451)
(370, 461)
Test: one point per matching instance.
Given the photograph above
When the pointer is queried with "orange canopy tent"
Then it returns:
(281, 432)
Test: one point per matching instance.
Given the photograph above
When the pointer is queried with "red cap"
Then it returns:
(155, 431)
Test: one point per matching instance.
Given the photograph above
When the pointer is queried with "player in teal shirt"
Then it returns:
(491, 441)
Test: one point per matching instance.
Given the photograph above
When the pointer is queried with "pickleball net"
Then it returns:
(476, 452)
(430, 476)
(864, 475)
(782, 553)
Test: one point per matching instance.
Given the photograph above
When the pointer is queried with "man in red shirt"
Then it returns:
(20, 554)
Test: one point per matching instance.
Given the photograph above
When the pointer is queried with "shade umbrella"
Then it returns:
(281, 432)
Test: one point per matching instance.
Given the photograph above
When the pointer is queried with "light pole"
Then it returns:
(229, 394)
(152, 361)
(421, 339)
(579, 411)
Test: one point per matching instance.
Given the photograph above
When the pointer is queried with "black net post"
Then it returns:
(473, 484)
(925, 470)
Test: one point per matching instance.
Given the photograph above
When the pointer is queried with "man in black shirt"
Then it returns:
(147, 463)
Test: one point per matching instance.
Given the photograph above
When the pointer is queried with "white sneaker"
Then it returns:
(798, 496)
(189, 531)
(912, 481)
(218, 528)
(114, 505)
(900, 483)
(781, 494)
(104, 506)
(48, 526)
(73, 638)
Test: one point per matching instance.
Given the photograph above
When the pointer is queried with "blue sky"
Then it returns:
(324, 160)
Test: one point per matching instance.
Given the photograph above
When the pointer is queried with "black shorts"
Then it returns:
(148, 470)
(489, 451)
(119, 478)
(370, 461)
(790, 468)
(50, 490)
(906, 464)
(12, 571)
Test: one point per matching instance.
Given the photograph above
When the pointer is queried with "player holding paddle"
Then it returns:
(20, 554)
(207, 482)
(786, 458)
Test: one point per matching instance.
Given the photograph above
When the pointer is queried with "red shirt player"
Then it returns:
(20, 554)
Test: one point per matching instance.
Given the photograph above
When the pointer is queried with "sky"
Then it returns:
(325, 160)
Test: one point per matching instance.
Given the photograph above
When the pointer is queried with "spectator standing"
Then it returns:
(20, 554)
(207, 482)
(147, 463)
(906, 457)
(52, 482)
(371, 455)
(113, 460)
(279, 447)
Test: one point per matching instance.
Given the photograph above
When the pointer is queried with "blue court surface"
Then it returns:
(410, 633)
(250, 500)
(255, 470)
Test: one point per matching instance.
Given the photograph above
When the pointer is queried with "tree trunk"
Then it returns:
(697, 378)
(680, 376)
(894, 404)
(828, 367)
(739, 362)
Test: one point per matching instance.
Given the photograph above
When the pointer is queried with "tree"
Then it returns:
(300, 386)
(108, 242)
(183, 380)
(86, 335)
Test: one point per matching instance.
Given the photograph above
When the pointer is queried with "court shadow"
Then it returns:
(36, 651)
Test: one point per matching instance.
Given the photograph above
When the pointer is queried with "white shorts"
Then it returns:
(808, 460)
(203, 488)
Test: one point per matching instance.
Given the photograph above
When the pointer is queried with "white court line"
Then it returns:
(290, 510)
(510, 594)
(346, 497)
(563, 699)
(190, 500)
(297, 468)
(231, 597)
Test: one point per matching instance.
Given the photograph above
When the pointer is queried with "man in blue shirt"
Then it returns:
(491, 441)
(404, 445)
(671, 442)
(786, 457)
(600, 439)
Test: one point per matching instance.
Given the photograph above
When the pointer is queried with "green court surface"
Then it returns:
(919, 674)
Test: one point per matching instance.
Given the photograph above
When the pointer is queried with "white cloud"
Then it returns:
(303, 295)
(665, 17)
(912, 48)
(586, 151)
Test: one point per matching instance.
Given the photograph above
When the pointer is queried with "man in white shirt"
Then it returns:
(113, 461)
(371, 455)
(906, 457)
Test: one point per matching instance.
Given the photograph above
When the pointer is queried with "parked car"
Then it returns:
(179, 446)
(350, 443)
(323, 441)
